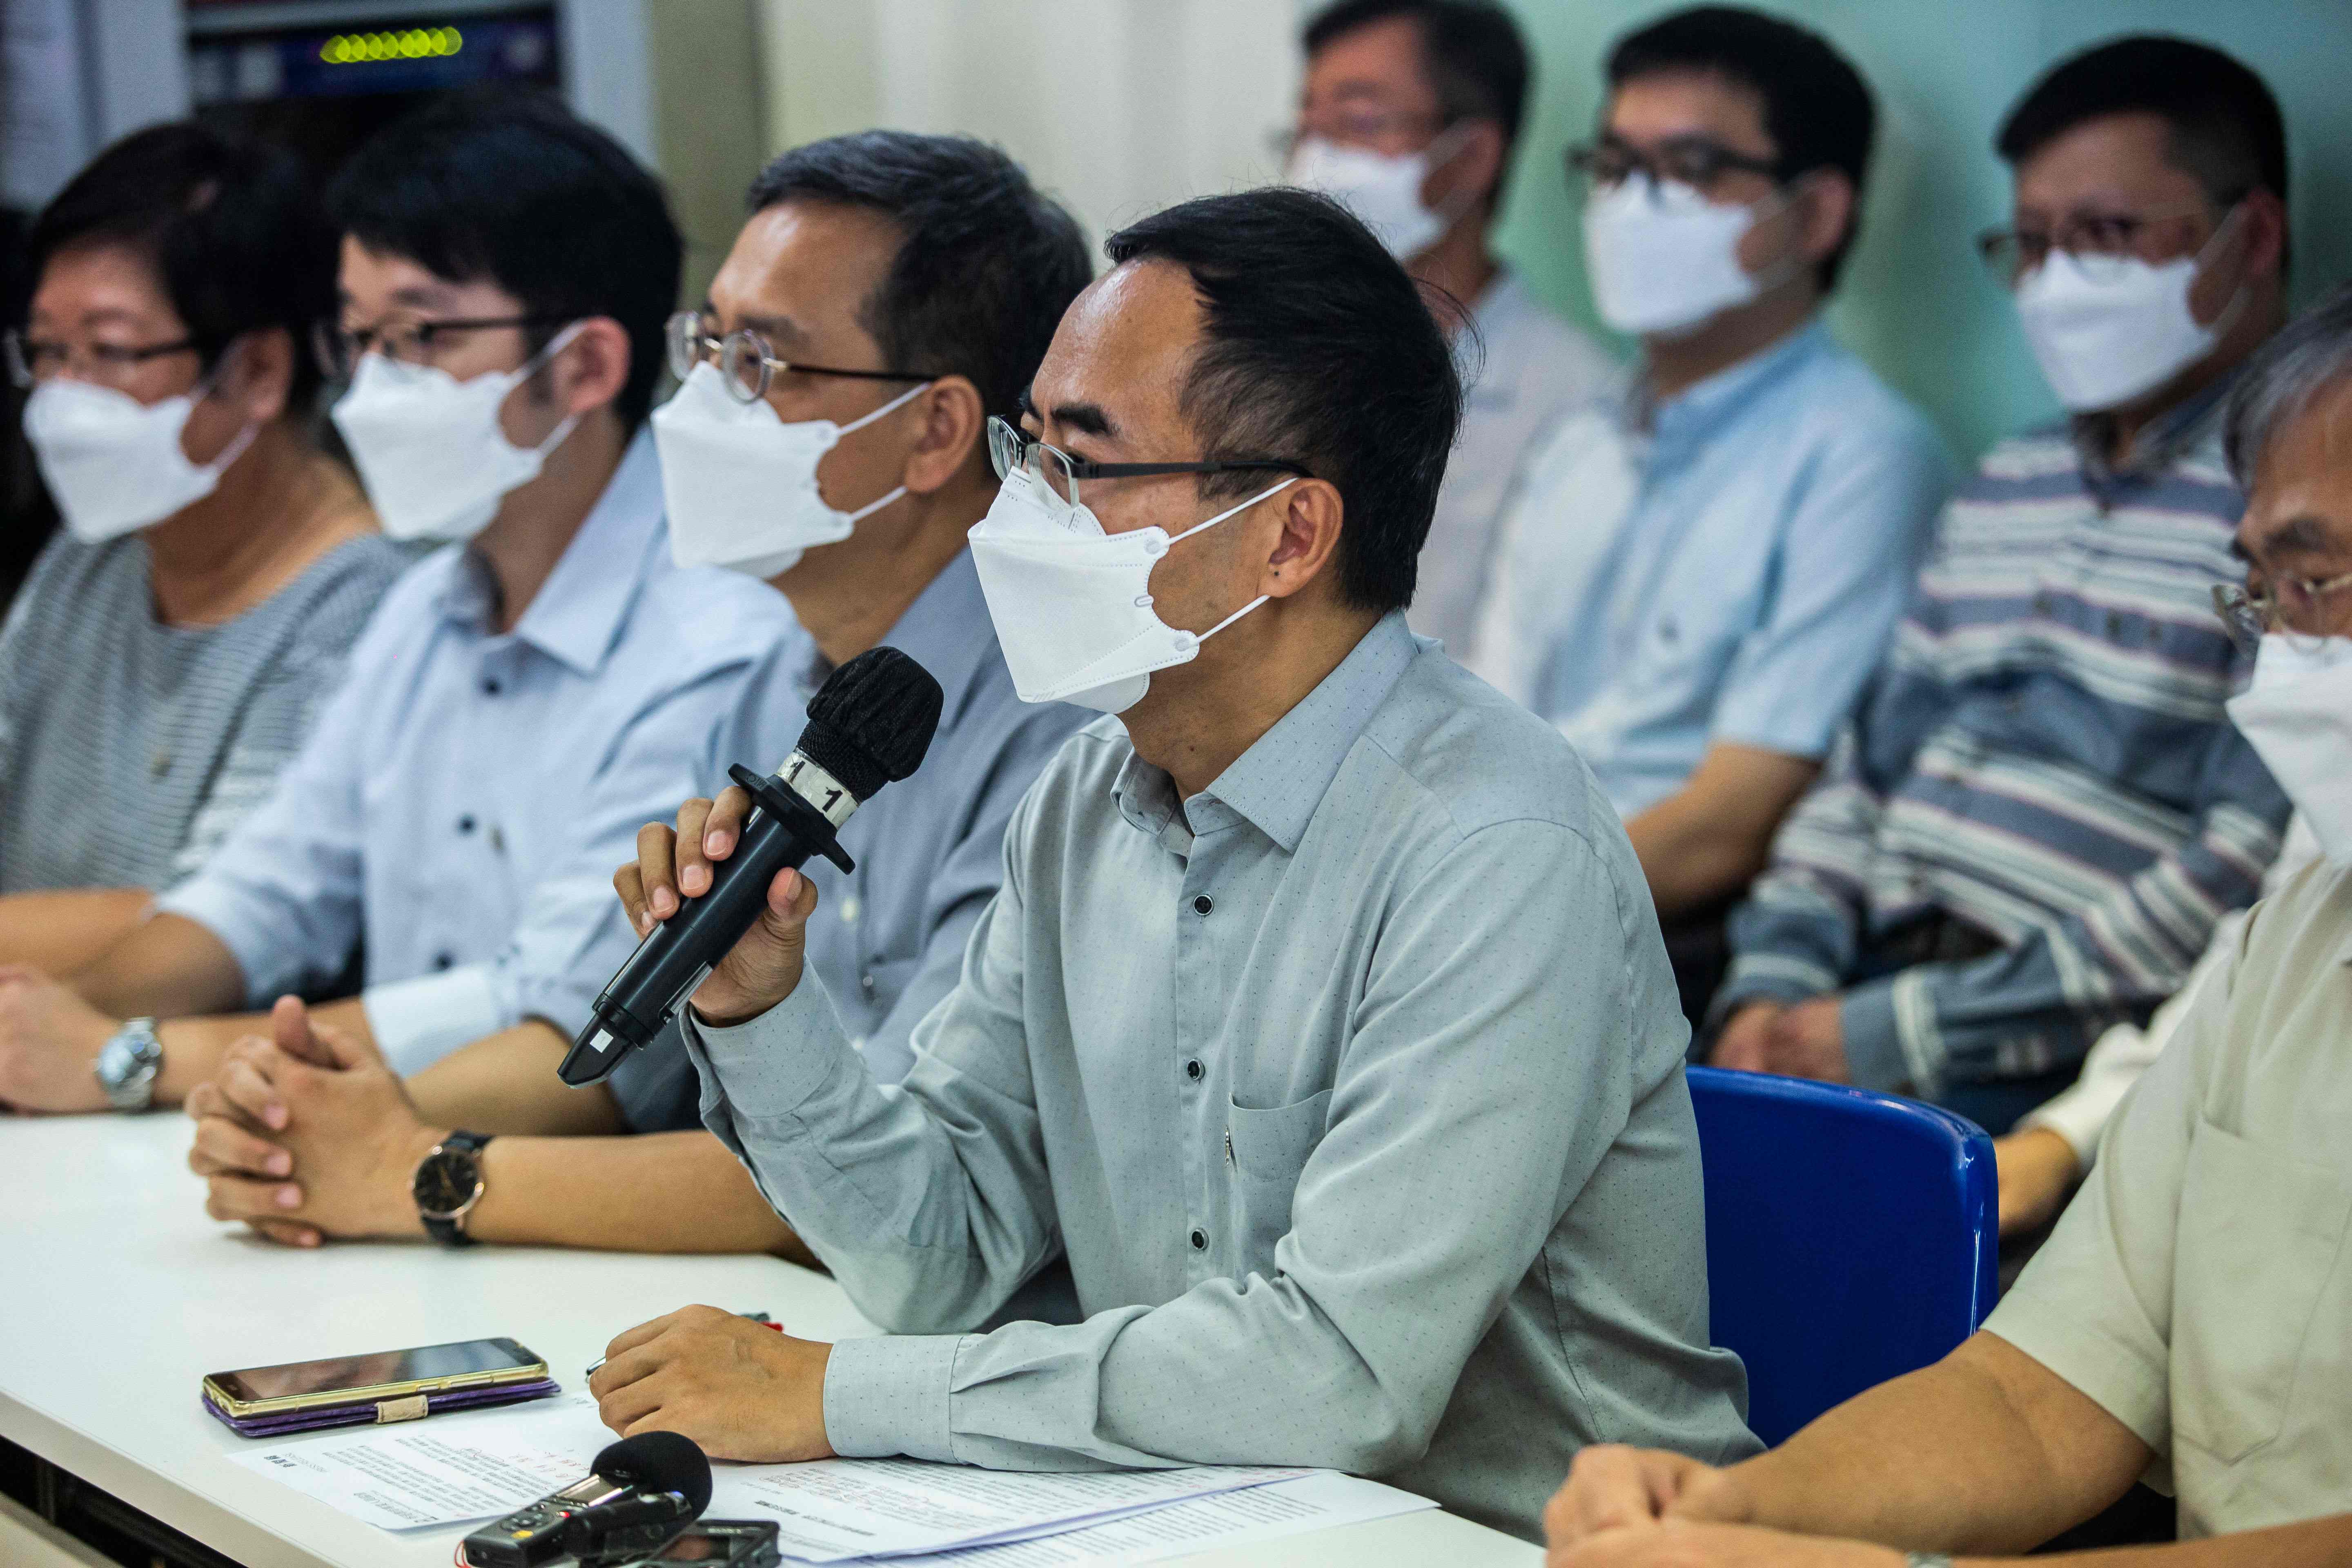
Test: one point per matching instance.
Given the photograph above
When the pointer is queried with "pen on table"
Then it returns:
(761, 1317)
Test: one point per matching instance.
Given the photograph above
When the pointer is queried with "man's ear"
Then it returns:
(1826, 207)
(593, 369)
(1307, 546)
(952, 422)
(257, 376)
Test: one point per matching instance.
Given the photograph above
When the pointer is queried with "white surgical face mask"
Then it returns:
(429, 447)
(1383, 190)
(1663, 259)
(2106, 332)
(741, 484)
(114, 464)
(1072, 605)
(2297, 715)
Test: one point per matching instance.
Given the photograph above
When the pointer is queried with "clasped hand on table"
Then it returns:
(1646, 1508)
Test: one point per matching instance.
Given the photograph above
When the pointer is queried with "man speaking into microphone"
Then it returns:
(1322, 1022)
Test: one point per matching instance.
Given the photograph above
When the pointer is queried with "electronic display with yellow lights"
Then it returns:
(375, 49)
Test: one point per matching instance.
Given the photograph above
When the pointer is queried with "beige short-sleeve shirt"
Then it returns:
(2200, 1288)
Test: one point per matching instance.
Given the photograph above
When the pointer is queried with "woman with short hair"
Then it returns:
(166, 654)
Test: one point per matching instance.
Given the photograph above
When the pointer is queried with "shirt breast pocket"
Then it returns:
(1267, 1149)
(2259, 1237)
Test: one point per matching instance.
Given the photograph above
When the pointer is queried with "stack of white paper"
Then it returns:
(458, 1468)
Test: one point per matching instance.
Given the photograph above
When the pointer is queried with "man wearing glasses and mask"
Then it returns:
(889, 294)
(505, 272)
(1695, 579)
(2189, 1315)
(1321, 1023)
(2044, 808)
(1409, 114)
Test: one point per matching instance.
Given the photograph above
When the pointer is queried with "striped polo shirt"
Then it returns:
(2044, 755)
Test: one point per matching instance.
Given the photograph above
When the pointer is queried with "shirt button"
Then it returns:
(443, 960)
(849, 910)
(1193, 1069)
(465, 824)
(866, 981)
(1200, 1241)
(1201, 905)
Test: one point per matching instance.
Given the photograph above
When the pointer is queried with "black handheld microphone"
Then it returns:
(868, 725)
(638, 1493)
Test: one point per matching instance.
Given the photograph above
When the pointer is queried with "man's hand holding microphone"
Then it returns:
(674, 864)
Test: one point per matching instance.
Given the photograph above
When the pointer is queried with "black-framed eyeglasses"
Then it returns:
(340, 349)
(2256, 608)
(1012, 450)
(2102, 242)
(1692, 161)
(32, 360)
(746, 364)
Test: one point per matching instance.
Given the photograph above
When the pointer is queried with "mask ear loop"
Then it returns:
(862, 512)
(2227, 317)
(1253, 604)
(1790, 268)
(242, 438)
(532, 367)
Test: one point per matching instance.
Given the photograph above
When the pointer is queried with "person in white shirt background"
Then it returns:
(1409, 113)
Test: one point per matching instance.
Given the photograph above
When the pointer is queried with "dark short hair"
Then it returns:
(231, 228)
(511, 188)
(1470, 50)
(986, 265)
(2287, 375)
(1816, 109)
(2225, 127)
(1317, 349)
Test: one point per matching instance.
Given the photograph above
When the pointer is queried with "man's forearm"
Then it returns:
(1705, 842)
(168, 967)
(63, 932)
(659, 1192)
(194, 1048)
(2313, 1544)
(1988, 1450)
(507, 1083)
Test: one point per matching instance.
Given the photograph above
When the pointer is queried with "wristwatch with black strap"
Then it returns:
(448, 1185)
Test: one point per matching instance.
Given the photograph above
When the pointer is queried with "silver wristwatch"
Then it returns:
(1927, 1560)
(128, 1063)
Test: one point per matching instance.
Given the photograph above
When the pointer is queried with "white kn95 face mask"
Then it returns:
(429, 447)
(1663, 259)
(740, 483)
(1072, 603)
(1383, 190)
(2109, 330)
(115, 465)
(2297, 715)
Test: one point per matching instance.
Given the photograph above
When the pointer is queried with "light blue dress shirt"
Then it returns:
(888, 938)
(467, 793)
(1350, 1088)
(1730, 572)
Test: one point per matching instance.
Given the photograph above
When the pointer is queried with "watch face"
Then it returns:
(447, 1182)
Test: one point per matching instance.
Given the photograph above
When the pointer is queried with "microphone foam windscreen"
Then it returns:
(658, 1462)
(871, 722)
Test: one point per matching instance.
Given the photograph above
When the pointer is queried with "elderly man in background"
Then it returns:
(2191, 1311)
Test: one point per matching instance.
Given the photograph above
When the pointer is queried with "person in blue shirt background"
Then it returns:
(915, 277)
(1697, 578)
(506, 273)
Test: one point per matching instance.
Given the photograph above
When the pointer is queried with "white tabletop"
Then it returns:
(117, 1295)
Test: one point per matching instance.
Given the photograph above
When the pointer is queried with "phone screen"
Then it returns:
(696, 1547)
(335, 1373)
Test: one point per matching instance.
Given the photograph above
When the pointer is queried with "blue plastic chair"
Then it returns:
(1851, 1237)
